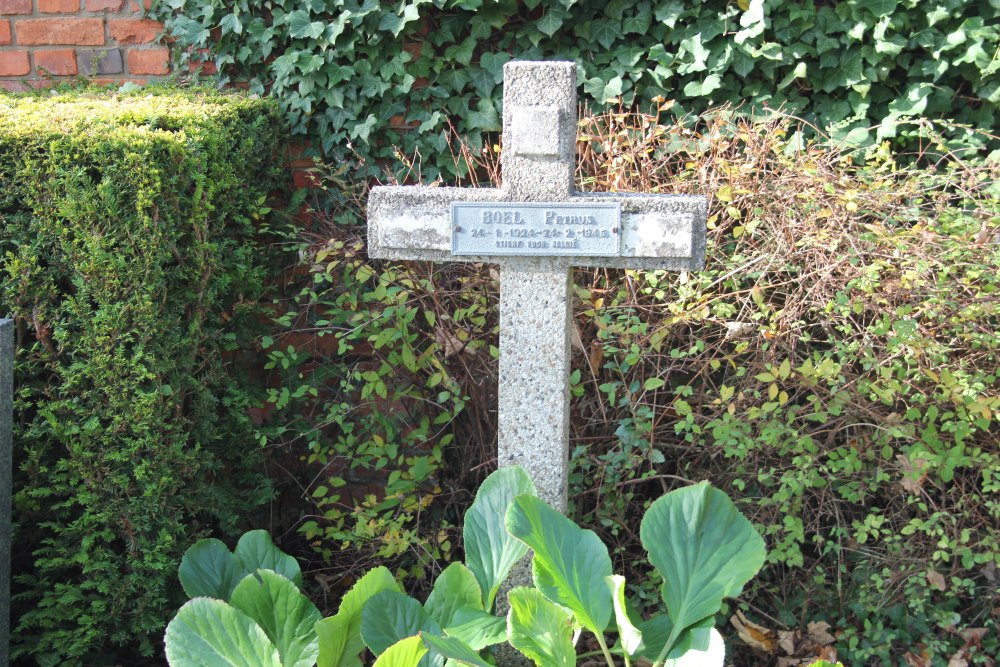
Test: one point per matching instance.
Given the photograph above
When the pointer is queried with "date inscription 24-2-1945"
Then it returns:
(536, 229)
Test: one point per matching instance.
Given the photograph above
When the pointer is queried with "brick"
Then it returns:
(39, 32)
(15, 7)
(13, 86)
(57, 62)
(100, 61)
(14, 63)
(134, 31)
(104, 5)
(59, 6)
(149, 61)
(5, 37)
(146, 4)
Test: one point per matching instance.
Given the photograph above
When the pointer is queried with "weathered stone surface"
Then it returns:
(100, 61)
(6, 447)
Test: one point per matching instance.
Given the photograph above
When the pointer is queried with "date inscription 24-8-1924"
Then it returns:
(563, 229)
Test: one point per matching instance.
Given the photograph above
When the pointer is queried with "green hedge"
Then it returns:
(128, 259)
(387, 75)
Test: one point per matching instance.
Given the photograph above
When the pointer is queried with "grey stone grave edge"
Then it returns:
(538, 165)
(6, 451)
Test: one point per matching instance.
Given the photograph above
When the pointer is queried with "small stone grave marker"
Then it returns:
(537, 227)
(6, 448)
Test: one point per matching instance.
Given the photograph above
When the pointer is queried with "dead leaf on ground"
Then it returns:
(917, 660)
(936, 580)
(449, 342)
(819, 633)
(756, 636)
(914, 473)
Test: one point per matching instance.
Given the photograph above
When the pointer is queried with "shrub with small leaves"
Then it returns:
(128, 259)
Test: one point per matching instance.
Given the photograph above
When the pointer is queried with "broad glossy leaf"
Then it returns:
(704, 649)
(571, 564)
(704, 549)
(256, 551)
(540, 629)
(372, 583)
(209, 569)
(332, 634)
(454, 589)
(207, 632)
(405, 653)
(656, 632)
(452, 648)
(283, 612)
(477, 628)
(390, 616)
(629, 636)
(490, 551)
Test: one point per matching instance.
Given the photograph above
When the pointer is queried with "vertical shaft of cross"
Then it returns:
(538, 160)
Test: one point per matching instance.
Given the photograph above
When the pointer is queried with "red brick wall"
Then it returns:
(51, 40)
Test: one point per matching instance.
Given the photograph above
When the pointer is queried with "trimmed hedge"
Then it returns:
(128, 259)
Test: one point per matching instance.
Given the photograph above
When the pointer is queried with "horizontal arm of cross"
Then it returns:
(658, 231)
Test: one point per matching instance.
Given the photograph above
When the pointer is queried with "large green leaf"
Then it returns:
(704, 549)
(333, 652)
(208, 633)
(408, 652)
(477, 628)
(705, 649)
(571, 564)
(332, 634)
(390, 616)
(285, 614)
(209, 569)
(540, 629)
(454, 589)
(452, 648)
(629, 636)
(490, 552)
(656, 633)
(256, 551)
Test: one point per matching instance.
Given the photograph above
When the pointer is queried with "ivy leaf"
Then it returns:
(637, 24)
(395, 23)
(668, 12)
(703, 88)
(847, 71)
(485, 117)
(612, 90)
(880, 8)
(913, 103)
(797, 73)
(605, 32)
(230, 23)
(300, 27)
(552, 20)
(693, 47)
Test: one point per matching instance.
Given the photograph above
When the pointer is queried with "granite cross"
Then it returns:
(537, 227)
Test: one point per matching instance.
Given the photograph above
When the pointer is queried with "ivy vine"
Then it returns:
(377, 76)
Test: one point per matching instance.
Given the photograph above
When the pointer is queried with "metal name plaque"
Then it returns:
(516, 229)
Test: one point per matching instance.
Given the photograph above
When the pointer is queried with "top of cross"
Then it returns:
(539, 162)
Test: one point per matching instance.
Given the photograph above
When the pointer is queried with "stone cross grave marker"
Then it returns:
(537, 227)
(6, 448)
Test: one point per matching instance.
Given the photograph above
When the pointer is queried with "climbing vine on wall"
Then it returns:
(375, 76)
